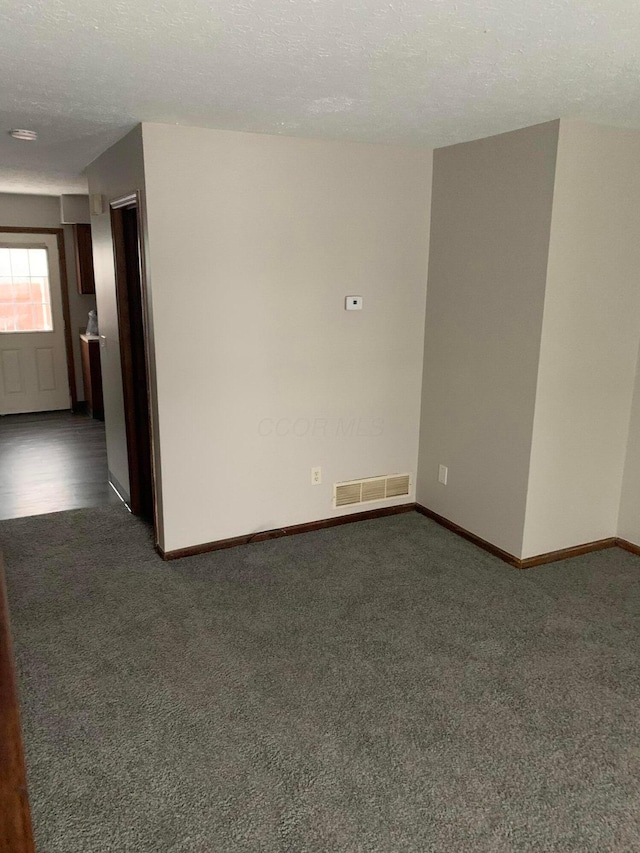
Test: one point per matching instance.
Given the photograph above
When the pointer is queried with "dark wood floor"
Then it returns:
(52, 461)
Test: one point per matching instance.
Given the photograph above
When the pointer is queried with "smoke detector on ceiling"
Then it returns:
(26, 135)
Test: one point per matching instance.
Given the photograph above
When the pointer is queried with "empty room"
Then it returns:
(319, 426)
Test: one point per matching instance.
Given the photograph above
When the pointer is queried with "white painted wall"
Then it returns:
(117, 172)
(590, 337)
(38, 211)
(490, 222)
(254, 242)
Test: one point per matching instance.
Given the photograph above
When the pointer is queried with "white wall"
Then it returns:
(117, 172)
(590, 338)
(254, 242)
(37, 211)
(490, 222)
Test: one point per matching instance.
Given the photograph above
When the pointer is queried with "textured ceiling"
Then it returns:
(425, 72)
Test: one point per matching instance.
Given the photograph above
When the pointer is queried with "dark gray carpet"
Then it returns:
(383, 686)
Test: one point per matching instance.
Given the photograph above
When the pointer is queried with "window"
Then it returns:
(25, 297)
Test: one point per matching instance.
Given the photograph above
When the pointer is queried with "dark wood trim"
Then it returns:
(66, 313)
(516, 562)
(83, 246)
(470, 537)
(133, 201)
(527, 562)
(628, 546)
(124, 335)
(16, 229)
(149, 361)
(16, 835)
(567, 553)
(92, 376)
(293, 530)
(64, 290)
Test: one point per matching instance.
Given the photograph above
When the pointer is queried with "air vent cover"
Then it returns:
(398, 485)
(371, 489)
(348, 493)
(374, 490)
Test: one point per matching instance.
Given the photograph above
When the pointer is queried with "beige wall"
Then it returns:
(530, 345)
(532, 340)
(629, 513)
(30, 211)
(589, 342)
(74, 209)
(117, 172)
(36, 211)
(254, 243)
(490, 221)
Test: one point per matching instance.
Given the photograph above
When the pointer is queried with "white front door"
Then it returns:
(33, 358)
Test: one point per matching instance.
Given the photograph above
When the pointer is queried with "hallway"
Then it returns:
(52, 461)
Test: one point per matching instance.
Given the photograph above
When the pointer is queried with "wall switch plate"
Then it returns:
(316, 476)
(443, 473)
(353, 303)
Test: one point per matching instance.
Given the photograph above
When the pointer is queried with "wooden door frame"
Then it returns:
(133, 200)
(64, 291)
(16, 833)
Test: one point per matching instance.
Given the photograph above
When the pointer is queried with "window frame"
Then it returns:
(7, 244)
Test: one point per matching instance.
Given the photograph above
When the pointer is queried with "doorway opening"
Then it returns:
(132, 323)
(36, 352)
(52, 457)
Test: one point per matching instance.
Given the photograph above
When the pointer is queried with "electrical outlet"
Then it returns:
(316, 476)
(443, 473)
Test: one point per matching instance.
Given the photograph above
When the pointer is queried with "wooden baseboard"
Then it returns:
(529, 562)
(505, 556)
(628, 546)
(470, 537)
(293, 530)
(15, 817)
(567, 553)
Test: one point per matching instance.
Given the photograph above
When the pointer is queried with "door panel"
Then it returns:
(12, 378)
(33, 364)
(45, 362)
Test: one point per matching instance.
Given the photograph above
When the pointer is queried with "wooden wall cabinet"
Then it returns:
(84, 259)
(92, 375)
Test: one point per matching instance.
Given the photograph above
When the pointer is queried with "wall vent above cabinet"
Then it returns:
(371, 489)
